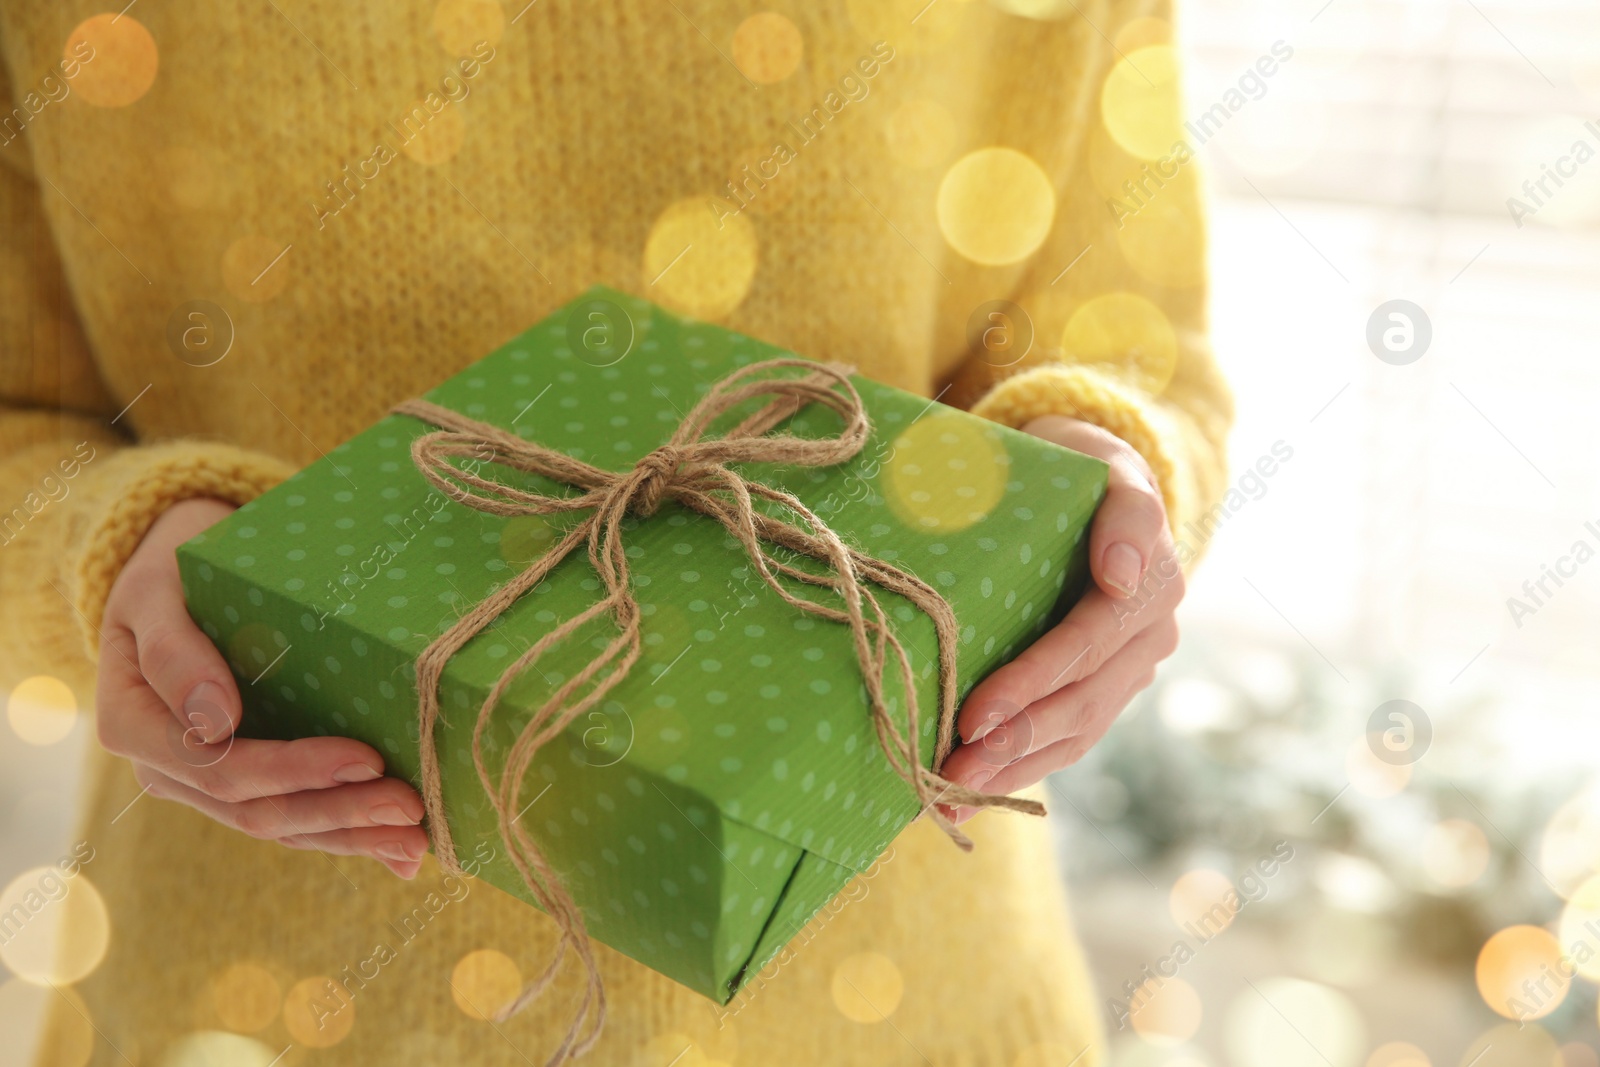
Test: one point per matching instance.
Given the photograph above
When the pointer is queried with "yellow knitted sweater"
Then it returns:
(357, 201)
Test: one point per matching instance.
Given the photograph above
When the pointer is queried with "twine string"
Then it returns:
(692, 470)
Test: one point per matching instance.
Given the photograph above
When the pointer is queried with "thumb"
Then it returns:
(178, 661)
(1126, 531)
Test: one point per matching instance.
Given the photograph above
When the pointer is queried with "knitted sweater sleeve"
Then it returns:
(77, 492)
(1107, 319)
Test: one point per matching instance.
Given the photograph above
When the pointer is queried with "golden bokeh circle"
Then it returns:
(1569, 851)
(1398, 1054)
(439, 140)
(123, 64)
(1512, 1045)
(1371, 776)
(42, 709)
(1140, 102)
(1125, 335)
(867, 987)
(945, 472)
(460, 25)
(911, 27)
(767, 47)
(207, 1048)
(1287, 1022)
(920, 133)
(1168, 1011)
(1142, 32)
(67, 1038)
(484, 982)
(57, 927)
(256, 268)
(1455, 853)
(697, 264)
(1039, 10)
(1580, 921)
(246, 996)
(1204, 900)
(1521, 954)
(318, 1012)
(996, 206)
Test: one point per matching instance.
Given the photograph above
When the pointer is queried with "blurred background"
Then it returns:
(1438, 868)
(1432, 862)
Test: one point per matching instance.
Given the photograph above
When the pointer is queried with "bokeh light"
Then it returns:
(42, 709)
(1164, 240)
(246, 996)
(217, 1048)
(867, 987)
(123, 62)
(57, 927)
(255, 268)
(1140, 102)
(996, 206)
(1579, 935)
(1126, 336)
(1569, 852)
(318, 1012)
(484, 982)
(1371, 776)
(1455, 853)
(945, 473)
(1142, 32)
(1165, 1011)
(921, 133)
(1203, 900)
(461, 24)
(1521, 973)
(697, 263)
(1512, 1045)
(68, 1036)
(767, 47)
(1398, 1054)
(1286, 1022)
(436, 141)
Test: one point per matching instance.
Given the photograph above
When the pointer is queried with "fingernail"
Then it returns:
(1121, 566)
(390, 815)
(202, 709)
(356, 772)
(980, 778)
(963, 814)
(392, 850)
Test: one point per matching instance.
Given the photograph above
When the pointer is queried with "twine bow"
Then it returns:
(692, 470)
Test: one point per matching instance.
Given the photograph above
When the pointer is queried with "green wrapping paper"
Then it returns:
(733, 783)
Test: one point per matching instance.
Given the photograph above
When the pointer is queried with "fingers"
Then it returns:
(236, 769)
(378, 819)
(401, 851)
(1079, 713)
(388, 802)
(1095, 630)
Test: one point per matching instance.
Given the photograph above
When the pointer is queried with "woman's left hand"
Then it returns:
(1046, 708)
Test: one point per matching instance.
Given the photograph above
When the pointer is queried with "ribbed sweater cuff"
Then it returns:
(135, 487)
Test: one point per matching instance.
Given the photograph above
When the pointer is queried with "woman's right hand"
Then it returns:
(167, 701)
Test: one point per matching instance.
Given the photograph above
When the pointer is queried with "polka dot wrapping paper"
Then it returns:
(733, 783)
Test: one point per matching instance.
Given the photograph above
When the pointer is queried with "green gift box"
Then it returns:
(733, 783)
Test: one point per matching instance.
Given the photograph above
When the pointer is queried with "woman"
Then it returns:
(235, 237)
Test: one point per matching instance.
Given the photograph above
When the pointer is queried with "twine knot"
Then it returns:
(693, 470)
(656, 473)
